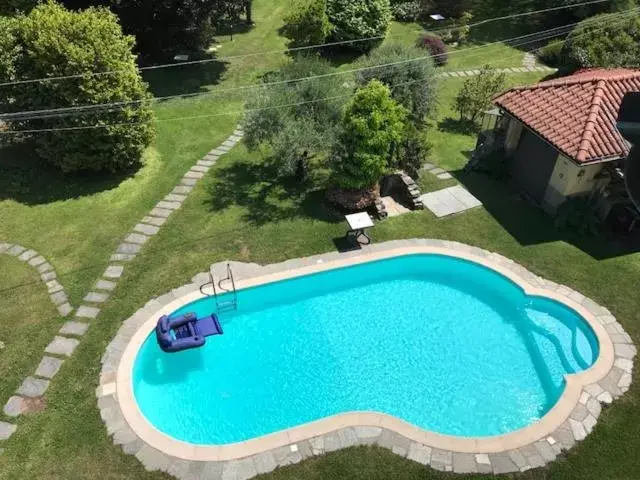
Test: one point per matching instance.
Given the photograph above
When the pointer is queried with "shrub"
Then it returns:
(52, 41)
(436, 47)
(372, 124)
(356, 20)
(308, 23)
(604, 41)
(406, 11)
(412, 152)
(477, 92)
(413, 83)
(578, 215)
(551, 54)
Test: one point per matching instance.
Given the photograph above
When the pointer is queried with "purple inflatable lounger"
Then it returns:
(185, 331)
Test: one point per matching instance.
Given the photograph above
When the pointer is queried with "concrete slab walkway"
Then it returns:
(449, 201)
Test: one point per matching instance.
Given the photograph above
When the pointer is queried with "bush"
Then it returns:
(551, 54)
(308, 23)
(52, 41)
(412, 152)
(372, 124)
(413, 83)
(578, 215)
(477, 92)
(604, 41)
(357, 20)
(436, 47)
(406, 11)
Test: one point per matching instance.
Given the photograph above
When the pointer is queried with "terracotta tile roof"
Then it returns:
(577, 114)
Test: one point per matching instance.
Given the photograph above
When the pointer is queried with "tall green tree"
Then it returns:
(604, 41)
(357, 20)
(477, 92)
(308, 23)
(51, 42)
(412, 82)
(373, 123)
(296, 121)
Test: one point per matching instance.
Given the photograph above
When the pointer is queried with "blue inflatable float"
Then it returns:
(185, 331)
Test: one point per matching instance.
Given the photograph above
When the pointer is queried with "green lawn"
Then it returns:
(452, 140)
(31, 321)
(239, 211)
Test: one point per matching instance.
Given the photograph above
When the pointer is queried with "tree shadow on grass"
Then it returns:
(185, 79)
(463, 127)
(28, 179)
(267, 196)
(530, 225)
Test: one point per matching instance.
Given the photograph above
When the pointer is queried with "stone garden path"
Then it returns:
(511, 70)
(68, 338)
(47, 274)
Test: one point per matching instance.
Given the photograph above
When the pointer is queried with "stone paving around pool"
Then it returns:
(450, 200)
(570, 429)
(68, 338)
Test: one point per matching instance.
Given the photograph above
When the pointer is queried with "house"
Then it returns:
(560, 135)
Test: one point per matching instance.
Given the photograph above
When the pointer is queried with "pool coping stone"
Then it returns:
(569, 421)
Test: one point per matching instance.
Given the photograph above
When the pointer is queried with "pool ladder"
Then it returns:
(228, 305)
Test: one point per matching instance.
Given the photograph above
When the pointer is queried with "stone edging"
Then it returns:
(68, 338)
(440, 452)
(47, 274)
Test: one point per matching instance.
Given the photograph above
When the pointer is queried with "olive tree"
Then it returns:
(296, 120)
(410, 76)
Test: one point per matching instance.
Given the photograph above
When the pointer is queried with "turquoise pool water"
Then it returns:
(442, 343)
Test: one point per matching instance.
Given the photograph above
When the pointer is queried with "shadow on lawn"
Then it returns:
(529, 225)
(30, 180)
(267, 196)
(456, 125)
(185, 79)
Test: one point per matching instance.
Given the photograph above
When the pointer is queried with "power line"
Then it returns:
(151, 251)
(66, 111)
(295, 49)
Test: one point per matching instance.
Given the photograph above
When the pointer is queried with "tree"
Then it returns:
(308, 23)
(304, 129)
(406, 10)
(163, 27)
(11, 7)
(605, 41)
(373, 123)
(477, 92)
(357, 20)
(412, 82)
(52, 41)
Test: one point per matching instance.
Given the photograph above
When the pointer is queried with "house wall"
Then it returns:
(512, 138)
(567, 180)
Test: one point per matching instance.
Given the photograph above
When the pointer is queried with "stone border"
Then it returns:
(47, 274)
(68, 338)
(569, 421)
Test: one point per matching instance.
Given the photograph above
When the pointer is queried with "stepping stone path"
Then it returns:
(47, 274)
(529, 60)
(437, 171)
(526, 68)
(449, 201)
(65, 342)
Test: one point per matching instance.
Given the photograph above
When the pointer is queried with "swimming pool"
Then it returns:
(440, 342)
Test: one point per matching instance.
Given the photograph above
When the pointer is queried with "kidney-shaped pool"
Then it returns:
(440, 342)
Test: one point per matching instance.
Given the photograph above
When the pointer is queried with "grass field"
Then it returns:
(240, 212)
